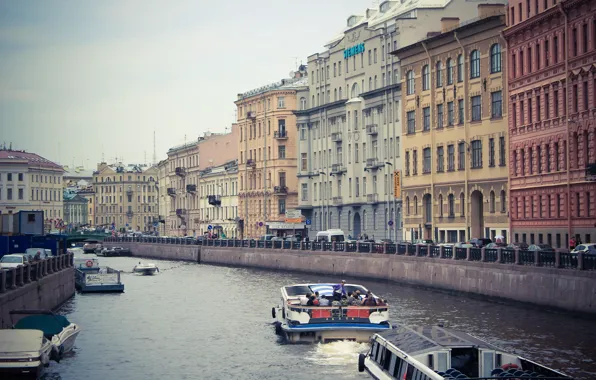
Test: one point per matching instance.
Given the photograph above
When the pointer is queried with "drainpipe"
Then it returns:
(265, 130)
(506, 91)
(432, 144)
(466, 191)
(569, 229)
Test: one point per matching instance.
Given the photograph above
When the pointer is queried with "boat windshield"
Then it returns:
(12, 259)
(297, 290)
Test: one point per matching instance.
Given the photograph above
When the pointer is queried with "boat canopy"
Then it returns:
(50, 324)
(421, 339)
(12, 341)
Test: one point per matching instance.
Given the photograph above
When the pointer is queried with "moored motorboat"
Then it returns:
(56, 328)
(145, 269)
(300, 323)
(86, 264)
(439, 353)
(23, 353)
(105, 280)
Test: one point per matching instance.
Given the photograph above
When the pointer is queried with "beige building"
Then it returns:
(125, 196)
(164, 200)
(267, 160)
(454, 129)
(29, 182)
(350, 120)
(218, 204)
(182, 172)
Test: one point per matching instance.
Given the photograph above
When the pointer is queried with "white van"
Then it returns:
(331, 235)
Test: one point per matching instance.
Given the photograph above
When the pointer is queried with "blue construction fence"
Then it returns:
(20, 243)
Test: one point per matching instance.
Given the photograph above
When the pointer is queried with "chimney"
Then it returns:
(487, 10)
(448, 23)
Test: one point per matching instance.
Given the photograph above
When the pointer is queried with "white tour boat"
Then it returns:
(439, 353)
(300, 323)
(145, 269)
(23, 353)
(57, 328)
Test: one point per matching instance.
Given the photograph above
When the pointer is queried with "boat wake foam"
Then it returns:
(339, 353)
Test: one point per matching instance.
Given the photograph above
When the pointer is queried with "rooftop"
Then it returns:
(77, 172)
(31, 158)
(284, 84)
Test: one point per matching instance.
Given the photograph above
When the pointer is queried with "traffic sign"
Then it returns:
(155, 224)
(126, 224)
(210, 227)
(260, 224)
(308, 222)
(390, 222)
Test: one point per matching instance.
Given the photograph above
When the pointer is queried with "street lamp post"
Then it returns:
(388, 195)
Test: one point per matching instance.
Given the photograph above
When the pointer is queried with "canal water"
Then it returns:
(194, 321)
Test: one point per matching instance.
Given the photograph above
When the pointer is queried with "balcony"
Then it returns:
(181, 171)
(338, 169)
(191, 188)
(372, 198)
(336, 137)
(280, 135)
(180, 212)
(129, 214)
(171, 192)
(372, 129)
(337, 201)
(280, 190)
(251, 163)
(214, 200)
(129, 192)
(251, 115)
(373, 164)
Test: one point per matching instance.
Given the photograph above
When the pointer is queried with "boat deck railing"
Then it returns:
(338, 311)
(12, 278)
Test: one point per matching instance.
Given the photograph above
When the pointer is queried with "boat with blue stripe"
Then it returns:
(300, 321)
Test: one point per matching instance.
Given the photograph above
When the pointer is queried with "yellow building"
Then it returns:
(125, 196)
(454, 143)
(267, 161)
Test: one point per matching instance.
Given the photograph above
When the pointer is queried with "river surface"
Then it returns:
(193, 321)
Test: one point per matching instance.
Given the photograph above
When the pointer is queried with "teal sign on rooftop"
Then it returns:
(351, 51)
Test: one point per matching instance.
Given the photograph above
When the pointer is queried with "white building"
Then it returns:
(30, 182)
(349, 123)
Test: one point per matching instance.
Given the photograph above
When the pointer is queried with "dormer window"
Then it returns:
(385, 6)
(351, 21)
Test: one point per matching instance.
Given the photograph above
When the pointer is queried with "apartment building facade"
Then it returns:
(552, 108)
(455, 131)
(29, 182)
(75, 209)
(163, 203)
(267, 157)
(125, 197)
(350, 126)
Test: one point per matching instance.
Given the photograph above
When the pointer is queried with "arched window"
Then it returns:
(449, 71)
(340, 94)
(474, 64)
(439, 70)
(492, 201)
(408, 205)
(330, 220)
(303, 103)
(355, 90)
(410, 82)
(349, 220)
(460, 68)
(451, 205)
(370, 88)
(495, 58)
(462, 204)
(425, 78)
(375, 82)
(504, 204)
(335, 95)
(415, 205)
(364, 220)
(441, 205)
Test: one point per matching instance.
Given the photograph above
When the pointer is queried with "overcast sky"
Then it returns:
(79, 79)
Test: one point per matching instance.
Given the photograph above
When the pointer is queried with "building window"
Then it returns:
(491, 152)
(503, 204)
(426, 161)
(492, 202)
(407, 163)
(414, 162)
(495, 58)
(20, 175)
(451, 203)
(281, 206)
(9, 194)
(440, 116)
(281, 102)
(21, 194)
(410, 82)
(9, 177)
(303, 103)
(281, 151)
(461, 152)
(460, 111)
(496, 99)
(450, 158)
(426, 119)
(440, 159)
(411, 116)
(303, 162)
(476, 108)
(439, 70)
(502, 151)
(460, 68)
(450, 112)
(476, 154)
(475, 64)
(425, 78)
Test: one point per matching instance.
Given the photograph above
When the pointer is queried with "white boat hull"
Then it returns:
(145, 271)
(329, 335)
(65, 341)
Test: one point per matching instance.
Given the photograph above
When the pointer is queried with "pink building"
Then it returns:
(217, 149)
(552, 106)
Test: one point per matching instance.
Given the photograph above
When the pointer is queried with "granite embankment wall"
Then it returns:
(567, 289)
(46, 285)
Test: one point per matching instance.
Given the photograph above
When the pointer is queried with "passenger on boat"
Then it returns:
(304, 299)
(381, 302)
(370, 300)
(311, 300)
(323, 301)
(339, 290)
(354, 299)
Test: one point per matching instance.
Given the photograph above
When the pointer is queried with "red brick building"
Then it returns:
(552, 107)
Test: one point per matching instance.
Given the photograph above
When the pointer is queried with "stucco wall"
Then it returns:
(567, 289)
(47, 293)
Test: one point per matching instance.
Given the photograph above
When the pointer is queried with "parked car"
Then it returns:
(518, 245)
(541, 247)
(267, 237)
(589, 248)
(496, 245)
(463, 245)
(480, 242)
(14, 260)
(424, 241)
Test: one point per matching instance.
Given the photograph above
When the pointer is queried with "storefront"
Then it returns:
(282, 229)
